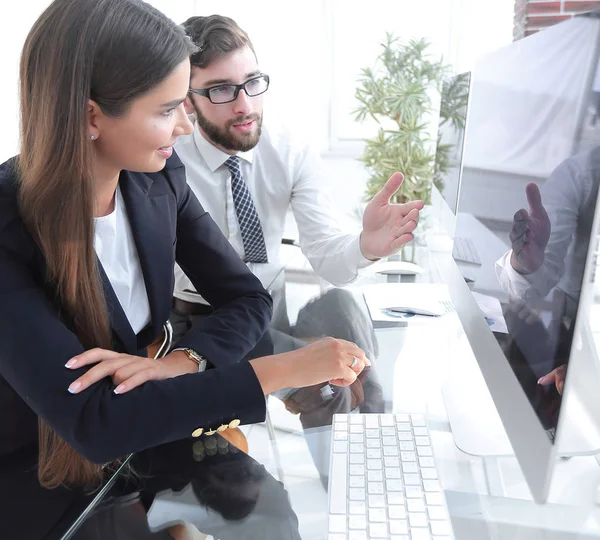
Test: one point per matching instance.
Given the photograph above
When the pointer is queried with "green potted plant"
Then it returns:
(397, 93)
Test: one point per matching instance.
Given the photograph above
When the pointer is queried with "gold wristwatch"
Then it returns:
(193, 355)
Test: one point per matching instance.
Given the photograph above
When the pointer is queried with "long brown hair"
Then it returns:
(111, 51)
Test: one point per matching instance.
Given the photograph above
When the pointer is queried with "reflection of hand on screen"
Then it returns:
(530, 233)
(556, 376)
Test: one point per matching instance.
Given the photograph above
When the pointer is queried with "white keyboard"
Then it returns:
(383, 482)
(464, 250)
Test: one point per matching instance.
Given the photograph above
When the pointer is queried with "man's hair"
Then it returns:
(215, 36)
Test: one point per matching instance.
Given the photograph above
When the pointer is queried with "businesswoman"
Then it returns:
(93, 214)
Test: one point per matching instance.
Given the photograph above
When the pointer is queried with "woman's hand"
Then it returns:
(127, 371)
(327, 360)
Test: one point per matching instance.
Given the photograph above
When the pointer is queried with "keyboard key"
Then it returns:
(357, 522)
(402, 418)
(418, 420)
(375, 476)
(374, 464)
(373, 443)
(391, 461)
(356, 429)
(431, 485)
(377, 515)
(426, 462)
(340, 419)
(373, 453)
(357, 469)
(340, 436)
(412, 480)
(410, 467)
(440, 528)
(422, 441)
(395, 498)
(420, 432)
(357, 438)
(388, 431)
(390, 450)
(337, 524)
(357, 508)
(393, 472)
(372, 433)
(420, 534)
(417, 519)
(436, 512)
(389, 441)
(424, 451)
(415, 505)
(340, 447)
(337, 493)
(376, 501)
(394, 485)
(358, 535)
(336, 536)
(407, 446)
(398, 526)
(408, 456)
(375, 488)
(405, 436)
(429, 474)
(357, 481)
(357, 448)
(356, 494)
(355, 419)
(414, 492)
(357, 458)
(405, 426)
(371, 421)
(434, 499)
(397, 511)
(386, 420)
(378, 530)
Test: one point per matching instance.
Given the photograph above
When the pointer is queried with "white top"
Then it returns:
(115, 247)
(279, 172)
(569, 197)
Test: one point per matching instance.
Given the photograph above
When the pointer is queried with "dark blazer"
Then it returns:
(168, 225)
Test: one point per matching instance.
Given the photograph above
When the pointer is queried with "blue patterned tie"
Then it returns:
(252, 234)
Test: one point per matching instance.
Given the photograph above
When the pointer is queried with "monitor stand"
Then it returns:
(475, 422)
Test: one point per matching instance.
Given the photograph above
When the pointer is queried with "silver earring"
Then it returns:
(92, 137)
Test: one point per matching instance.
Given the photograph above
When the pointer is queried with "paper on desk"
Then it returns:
(492, 311)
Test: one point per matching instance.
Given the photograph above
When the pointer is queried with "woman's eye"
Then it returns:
(168, 112)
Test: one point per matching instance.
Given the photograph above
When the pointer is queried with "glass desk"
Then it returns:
(203, 487)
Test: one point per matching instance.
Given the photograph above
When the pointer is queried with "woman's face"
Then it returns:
(142, 139)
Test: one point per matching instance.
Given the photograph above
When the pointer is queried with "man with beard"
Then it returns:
(247, 175)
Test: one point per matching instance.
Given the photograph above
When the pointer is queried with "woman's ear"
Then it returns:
(94, 115)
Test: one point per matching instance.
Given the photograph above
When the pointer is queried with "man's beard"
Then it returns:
(226, 139)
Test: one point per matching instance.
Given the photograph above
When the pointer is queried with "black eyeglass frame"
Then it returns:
(205, 92)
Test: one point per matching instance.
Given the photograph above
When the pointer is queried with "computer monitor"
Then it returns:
(454, 102)
(528, 201)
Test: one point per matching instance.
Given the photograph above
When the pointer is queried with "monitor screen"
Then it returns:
(452, 121)
(527, 203)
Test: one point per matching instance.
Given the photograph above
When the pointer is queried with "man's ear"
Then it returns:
(187, 104)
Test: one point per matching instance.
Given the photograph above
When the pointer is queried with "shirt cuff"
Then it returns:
(512, 281)
(354, 256)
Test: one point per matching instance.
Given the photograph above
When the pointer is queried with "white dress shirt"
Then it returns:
(569, 197)
(115, 247)
(279, 172)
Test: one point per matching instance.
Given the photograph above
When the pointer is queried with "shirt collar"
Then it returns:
(214, 157)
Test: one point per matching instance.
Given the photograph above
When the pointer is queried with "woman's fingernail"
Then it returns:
(71, 363)
(74, 388)
(367, 361)
(119, 389)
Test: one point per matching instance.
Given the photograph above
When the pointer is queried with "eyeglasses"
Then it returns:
(225, 93)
